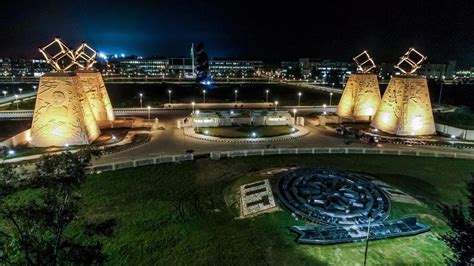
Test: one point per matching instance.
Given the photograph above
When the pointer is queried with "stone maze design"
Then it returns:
(332, 197)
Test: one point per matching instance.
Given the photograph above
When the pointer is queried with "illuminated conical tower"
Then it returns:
(406, 107)
(361, 96)
(62, 115)
(93, 84)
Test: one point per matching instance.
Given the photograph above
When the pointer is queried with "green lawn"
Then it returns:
(246, 131)
(186, 213)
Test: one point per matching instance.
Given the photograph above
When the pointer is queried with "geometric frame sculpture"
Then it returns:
(85, 56)
(364, 62)
(58, 55)
(410, 61)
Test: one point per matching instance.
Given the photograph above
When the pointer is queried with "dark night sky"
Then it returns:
(264, 30)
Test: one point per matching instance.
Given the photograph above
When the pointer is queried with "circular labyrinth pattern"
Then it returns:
(332, 197)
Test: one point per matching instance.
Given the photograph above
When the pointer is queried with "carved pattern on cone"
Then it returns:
(361, 96)
(96, 93)
(62, 113)
(406, 108)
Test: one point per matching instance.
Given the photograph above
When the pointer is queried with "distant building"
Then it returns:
(319, 70)
(438, 71)
(23, 67)
(230, 67)
(137, 66)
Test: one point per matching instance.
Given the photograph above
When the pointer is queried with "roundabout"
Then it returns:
(332, 197)
(298, 133)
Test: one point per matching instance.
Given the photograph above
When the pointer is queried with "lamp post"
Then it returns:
(4, 94)
(276, 105)
(235, 96)
(266, 99)
(20, 89)
(204, 96)
(16, 100)
(299, 98)
(34, 87)
(440, 93)
(294, 114)
(149, 108)
(324, 109)
(367, 243)
(169, 96)
(193, 106)
(197, 123)
(141, 100)
(330, 98)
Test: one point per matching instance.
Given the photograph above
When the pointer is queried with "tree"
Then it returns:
(37, 207)
(460, 238)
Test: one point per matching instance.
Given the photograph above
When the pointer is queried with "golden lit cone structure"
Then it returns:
(93, 84)
(406, 106)
(63, 114)
(361, 96)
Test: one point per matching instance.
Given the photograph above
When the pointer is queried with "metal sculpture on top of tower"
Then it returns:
(361, 95)
(406, 107)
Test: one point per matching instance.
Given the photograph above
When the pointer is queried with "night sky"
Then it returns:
(265, 30)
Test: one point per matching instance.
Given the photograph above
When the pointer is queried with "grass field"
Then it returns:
(246, 131)
(186, 213)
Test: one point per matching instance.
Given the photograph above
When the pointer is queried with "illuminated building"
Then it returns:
(234, 118)
(405, 109)
(361, 96)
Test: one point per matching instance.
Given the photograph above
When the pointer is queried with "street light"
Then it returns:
(148, 107)
(204, 96)
(193, 106)
(4, 94)
(20, 89)
(276, 104)
(197, 123)
(235, 92)
(34, 87)
(16, 97)
(330, 98)
(169, 96)
(141, 100)
(266, 99)
(324, 109)
(294, 114)
(299, 98)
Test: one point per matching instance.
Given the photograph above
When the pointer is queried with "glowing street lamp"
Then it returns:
(276, 105)
(34, 87)
(193, 106)
(266, 99)
(149, 108)
(324, 109)
(141, 100)
(235, 93)
(204, 96)
(169, 96)
(330, 98)
(299, 98)
(4, 94)
(20, 89)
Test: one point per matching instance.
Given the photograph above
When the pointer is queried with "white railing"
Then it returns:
(322, 150)
(141, 162)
